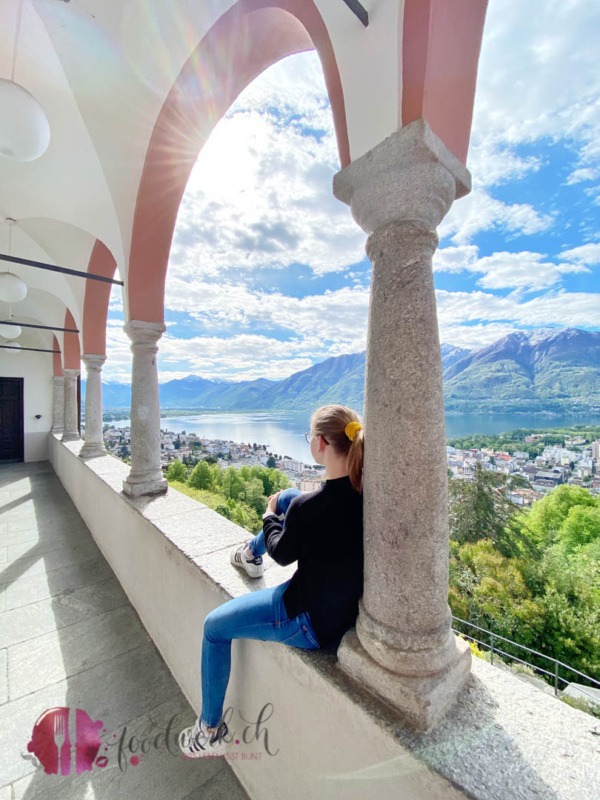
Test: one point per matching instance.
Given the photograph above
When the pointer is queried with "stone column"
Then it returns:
(71, 429)
(58, 418)
(94, 442)
(403, 649)
(146, 475)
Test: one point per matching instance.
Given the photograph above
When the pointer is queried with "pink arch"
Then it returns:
(56, 358)
(97, 298)
(247, 39)
(441, 44)
(72, 352)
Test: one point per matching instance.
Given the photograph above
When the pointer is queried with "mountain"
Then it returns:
(452, 354)
(556, 371)
(338, 377)
(545, 370)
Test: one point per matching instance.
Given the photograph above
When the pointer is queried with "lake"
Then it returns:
(282, 431)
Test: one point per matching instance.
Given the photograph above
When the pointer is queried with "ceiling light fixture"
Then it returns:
(10, 331)
(24, 126)
(12, 288)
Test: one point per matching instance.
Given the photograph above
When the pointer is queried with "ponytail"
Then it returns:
(342, 428)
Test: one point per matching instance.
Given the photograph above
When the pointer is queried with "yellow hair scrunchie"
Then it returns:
(351, 429)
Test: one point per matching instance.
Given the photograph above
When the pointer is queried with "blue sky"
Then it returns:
(268, 275)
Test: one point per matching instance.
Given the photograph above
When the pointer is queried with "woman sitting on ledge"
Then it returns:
(323, 532)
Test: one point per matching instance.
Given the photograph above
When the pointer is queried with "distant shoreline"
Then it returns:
(110, 414)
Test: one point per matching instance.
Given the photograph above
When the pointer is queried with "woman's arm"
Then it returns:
(283, 541)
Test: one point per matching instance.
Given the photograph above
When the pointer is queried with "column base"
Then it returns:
(70, 437)
(137, 489)
(422, 700)
(93, 450)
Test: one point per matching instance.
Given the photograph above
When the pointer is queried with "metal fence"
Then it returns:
(493, 642)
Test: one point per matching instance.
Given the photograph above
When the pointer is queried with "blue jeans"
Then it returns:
(258, 615)
(257, 545)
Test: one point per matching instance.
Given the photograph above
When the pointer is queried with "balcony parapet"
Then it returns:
(502, 739)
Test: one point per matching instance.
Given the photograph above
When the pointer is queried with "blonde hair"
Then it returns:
(330, 422)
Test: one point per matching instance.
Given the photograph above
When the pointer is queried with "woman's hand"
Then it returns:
(272, 503)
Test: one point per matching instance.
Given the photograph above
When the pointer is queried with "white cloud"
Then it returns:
(260, 194)
(479, 211)
(473, 337)
(584, 254)
(242, 357)
(571, 309)
(337, 318)
(538, 79)
(521, 270)
(538, 72)
(455, 259)
(583, 174)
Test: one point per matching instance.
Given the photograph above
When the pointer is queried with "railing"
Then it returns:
(554, 674)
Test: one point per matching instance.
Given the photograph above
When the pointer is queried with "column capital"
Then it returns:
(93, 362)
(144, 334)
(409, 176)
(71, 373)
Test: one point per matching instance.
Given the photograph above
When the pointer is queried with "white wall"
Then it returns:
(38, 397)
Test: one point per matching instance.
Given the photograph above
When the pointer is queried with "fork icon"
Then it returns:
(59, 739)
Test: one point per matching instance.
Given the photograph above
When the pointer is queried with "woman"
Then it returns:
(322, 531)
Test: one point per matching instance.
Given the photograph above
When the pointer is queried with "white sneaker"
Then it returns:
(197, 742)
(253, 566)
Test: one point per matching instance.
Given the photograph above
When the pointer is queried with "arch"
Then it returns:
(96, 300)
(440, 54)
(56, 359)
(243, 42)
(72, 351)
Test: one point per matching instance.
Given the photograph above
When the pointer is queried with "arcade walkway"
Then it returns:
(69, 637)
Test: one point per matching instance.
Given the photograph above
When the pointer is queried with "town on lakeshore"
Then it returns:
(576, 463)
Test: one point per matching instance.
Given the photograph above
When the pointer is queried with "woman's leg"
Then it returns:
(257, 615)
(257, 545)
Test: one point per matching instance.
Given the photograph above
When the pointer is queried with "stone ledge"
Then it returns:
(503, 740)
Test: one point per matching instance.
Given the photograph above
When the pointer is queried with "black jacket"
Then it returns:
(323, 531)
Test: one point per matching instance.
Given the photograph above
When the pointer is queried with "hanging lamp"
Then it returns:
(12, 288)
(24, 126)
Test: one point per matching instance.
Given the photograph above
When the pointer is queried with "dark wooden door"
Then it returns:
(11, 419)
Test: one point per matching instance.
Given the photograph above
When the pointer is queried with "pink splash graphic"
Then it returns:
(65, 741)
(134, 760)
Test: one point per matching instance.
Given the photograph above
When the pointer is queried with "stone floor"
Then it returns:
(70, 638)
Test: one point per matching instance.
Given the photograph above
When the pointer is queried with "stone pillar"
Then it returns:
(94, 442)
(403, 649)
(146, 475)
(58, 418)
(71, 429)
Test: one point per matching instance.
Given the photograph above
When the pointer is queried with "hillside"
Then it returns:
(545, 370)
(559, 371)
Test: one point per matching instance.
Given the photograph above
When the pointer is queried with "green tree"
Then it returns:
(201, 476)
(176, 471)
(232, 483)
(254, 496)
(547, 515)
(480, 509)
(271, 463)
